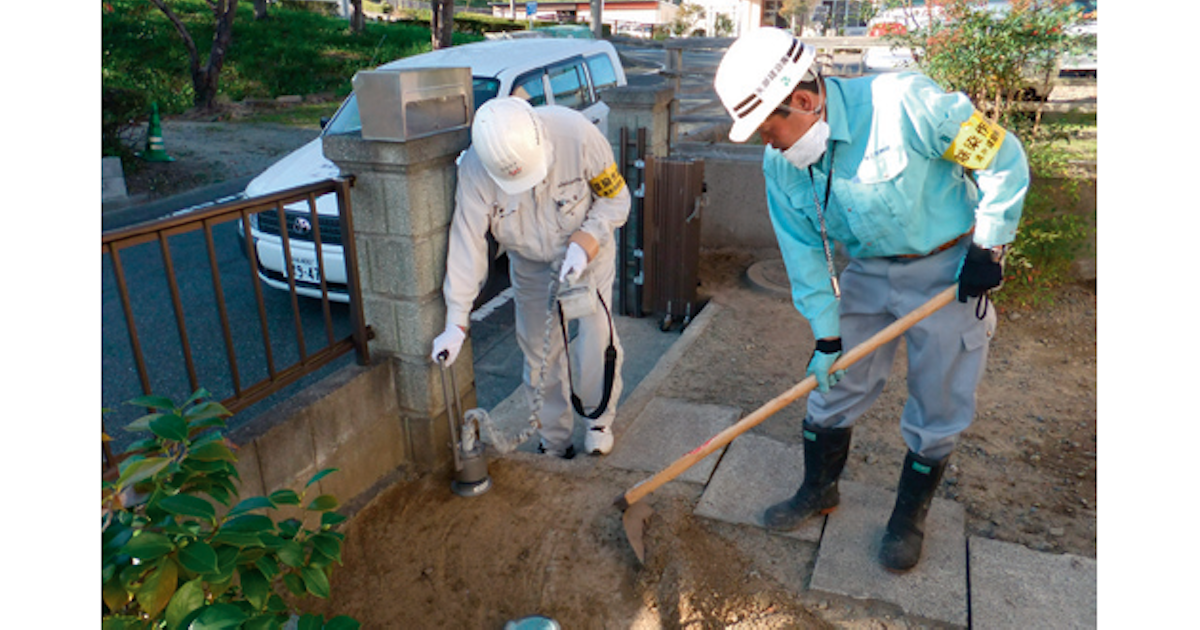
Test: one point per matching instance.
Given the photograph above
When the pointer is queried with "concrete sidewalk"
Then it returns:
(962, 581)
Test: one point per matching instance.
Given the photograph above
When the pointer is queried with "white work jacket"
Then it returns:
(583, 190)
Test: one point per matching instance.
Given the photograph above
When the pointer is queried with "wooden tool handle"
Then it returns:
(895, 329)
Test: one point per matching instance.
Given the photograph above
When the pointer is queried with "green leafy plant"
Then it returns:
(1041, 258)
(172, 559)
(1052, 233)
(994, 57)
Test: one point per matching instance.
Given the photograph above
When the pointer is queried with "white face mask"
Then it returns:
(810, 147)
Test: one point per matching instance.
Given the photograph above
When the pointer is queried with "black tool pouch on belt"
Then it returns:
(610, 365)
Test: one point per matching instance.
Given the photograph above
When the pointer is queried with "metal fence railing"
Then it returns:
(188, 292)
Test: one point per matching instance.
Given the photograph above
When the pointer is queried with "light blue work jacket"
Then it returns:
(893, 192)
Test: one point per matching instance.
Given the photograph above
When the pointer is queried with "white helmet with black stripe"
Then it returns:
(759, 71)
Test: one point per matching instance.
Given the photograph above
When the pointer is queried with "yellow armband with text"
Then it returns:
(977, 143)
(608, 183)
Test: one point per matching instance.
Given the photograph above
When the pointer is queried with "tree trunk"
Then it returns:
(357, 19)
(260, 10)
(205, 78)
(442, 23)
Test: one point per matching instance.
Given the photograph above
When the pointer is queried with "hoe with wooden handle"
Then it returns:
(637, 514)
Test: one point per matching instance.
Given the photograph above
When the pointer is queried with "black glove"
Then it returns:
(982, 271)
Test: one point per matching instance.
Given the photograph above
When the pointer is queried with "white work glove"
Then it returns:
(449, 343)
(574, 263)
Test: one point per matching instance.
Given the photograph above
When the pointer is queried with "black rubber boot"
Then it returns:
(825, 452)
(905, 533)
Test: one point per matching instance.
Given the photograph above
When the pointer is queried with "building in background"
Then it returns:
(626, 17)
(638, 18)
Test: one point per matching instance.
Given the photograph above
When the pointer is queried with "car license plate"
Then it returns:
(306, 270)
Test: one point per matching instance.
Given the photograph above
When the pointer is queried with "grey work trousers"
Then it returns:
(531, 285)
(947, 351)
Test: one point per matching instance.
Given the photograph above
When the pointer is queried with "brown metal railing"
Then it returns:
(278, 377)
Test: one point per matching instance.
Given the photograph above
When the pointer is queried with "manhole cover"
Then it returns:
(770, 275)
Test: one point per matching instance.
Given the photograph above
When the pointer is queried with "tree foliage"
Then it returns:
(685, 19)
(722, 25)
(797, 12)
(992, 53)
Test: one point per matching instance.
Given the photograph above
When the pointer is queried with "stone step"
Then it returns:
(1008, 586)
(755, 473)
(668, 429)
(848, 558)
(1015, 587)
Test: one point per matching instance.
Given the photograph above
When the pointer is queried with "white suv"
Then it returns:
(570, 72)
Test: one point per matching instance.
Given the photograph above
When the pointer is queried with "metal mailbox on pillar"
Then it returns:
(401, 105)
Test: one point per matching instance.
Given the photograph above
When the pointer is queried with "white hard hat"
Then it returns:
(757, 73)
(511, 142)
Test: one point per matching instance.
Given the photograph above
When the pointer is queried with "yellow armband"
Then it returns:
(608, 183)
(977, 143)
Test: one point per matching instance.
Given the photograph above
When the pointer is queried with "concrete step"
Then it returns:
(1014, 587)
(756, 473)
(960, 581)
(668, 429)
(848, 559)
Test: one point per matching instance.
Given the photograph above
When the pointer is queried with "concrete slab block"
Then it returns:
(286, 453)
(755, 473)
(1016, 587)
(363, 459)
(668, 429)
(112, 180)
(848, 564)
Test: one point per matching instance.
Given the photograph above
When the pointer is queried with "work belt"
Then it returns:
(937, 250)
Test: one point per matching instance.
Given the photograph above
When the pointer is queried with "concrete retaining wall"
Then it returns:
(350, 421)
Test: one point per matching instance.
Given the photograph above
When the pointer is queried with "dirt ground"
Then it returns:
(208, 150)
(1025, 471)
(546, 538)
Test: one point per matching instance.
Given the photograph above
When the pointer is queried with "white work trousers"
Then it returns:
(531, 284)
(947, 351)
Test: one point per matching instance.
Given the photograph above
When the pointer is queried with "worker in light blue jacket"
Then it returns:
(923, 192)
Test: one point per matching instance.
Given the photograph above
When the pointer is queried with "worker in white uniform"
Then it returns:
(545, 184)
(923, 192)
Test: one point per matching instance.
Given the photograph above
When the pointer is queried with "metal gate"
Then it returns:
(660, 243)
(671, 237)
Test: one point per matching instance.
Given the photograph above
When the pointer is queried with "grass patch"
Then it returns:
(293, 51)
(306, 116)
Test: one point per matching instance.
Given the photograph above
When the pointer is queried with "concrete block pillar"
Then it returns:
(402, 202)
(640, 106)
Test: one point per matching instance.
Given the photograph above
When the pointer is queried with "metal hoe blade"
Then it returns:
(635, 520)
